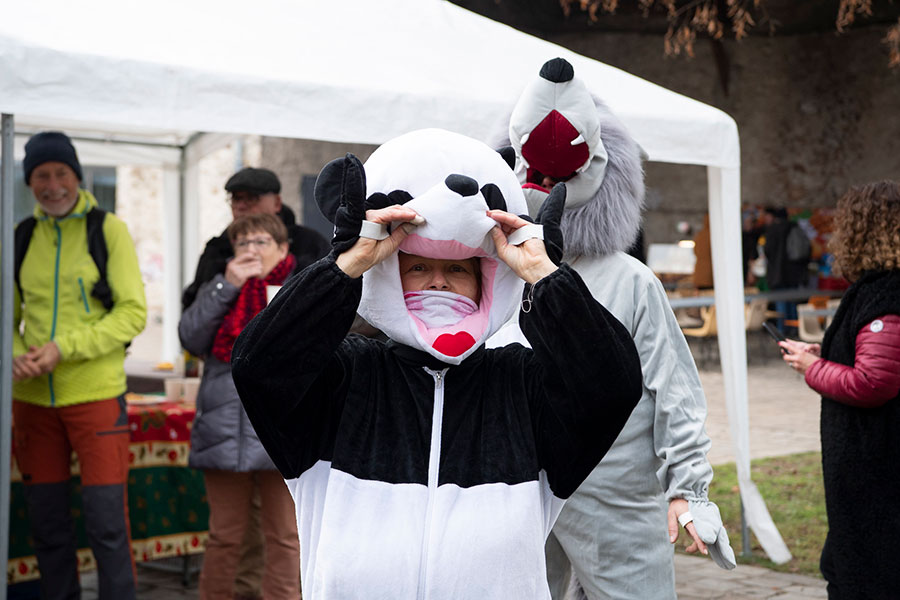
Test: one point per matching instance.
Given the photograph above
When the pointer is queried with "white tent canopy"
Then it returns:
(350, 71)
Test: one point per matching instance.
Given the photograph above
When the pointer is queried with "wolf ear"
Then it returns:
(509, 155)
(558, 70)
(494, 197)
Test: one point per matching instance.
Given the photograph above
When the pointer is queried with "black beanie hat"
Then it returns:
(50, 146)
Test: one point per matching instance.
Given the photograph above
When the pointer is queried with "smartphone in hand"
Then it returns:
(775, 333)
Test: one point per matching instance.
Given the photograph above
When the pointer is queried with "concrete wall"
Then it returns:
(292, 159)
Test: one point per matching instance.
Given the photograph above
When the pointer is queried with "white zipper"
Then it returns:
(434, 461)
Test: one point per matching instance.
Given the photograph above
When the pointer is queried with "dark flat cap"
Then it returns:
(255, 181)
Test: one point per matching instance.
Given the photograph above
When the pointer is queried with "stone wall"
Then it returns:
(816, 114)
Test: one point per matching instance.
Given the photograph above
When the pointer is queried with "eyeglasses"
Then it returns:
(246, 197)
(258, 242)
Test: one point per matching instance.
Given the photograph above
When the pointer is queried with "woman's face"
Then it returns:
(418, 273)
(261, 244)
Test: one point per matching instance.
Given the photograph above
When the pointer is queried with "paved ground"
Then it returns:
(701, 579)
(784, 418)
(697, 579)
(783, 411)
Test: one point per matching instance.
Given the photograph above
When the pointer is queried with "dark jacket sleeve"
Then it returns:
(307, 245)
(201, 321)
(874, 378)
(212, 262)
(288, 370)
(586, 376)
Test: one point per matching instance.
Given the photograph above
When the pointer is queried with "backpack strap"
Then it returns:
(97, 248)
(24, 230)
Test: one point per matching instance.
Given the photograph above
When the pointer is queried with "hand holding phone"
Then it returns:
(773, 331)
(776, 334)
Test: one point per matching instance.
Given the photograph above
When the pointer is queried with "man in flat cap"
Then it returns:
(253, 191)
(78, 311)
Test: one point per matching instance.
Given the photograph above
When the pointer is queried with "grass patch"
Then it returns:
(795, 496)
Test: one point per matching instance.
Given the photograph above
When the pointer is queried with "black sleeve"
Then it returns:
(307, 245)
(211, 263)
(586, 376)
(289, 371)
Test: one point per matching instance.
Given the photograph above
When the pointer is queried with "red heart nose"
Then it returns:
(453, 344)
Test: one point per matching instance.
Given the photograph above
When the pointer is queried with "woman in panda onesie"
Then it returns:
(428, 466)
(616, 531)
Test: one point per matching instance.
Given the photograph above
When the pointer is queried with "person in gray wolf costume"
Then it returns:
(614, 538)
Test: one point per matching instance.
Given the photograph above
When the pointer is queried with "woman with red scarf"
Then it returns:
(223, 443)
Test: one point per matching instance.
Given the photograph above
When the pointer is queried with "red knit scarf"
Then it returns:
(251, 300)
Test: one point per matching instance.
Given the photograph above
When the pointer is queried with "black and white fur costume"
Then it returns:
(612, 533)
(416, 474)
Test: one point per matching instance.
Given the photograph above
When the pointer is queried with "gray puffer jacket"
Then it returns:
(222, 437)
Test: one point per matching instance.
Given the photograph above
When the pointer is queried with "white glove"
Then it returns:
(708, 523)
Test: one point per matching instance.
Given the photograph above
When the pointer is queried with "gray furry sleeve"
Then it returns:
(587, 377)
(288, 370)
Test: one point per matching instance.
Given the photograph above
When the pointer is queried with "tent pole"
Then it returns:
(725, 215)
(745, 534)
(7, 160)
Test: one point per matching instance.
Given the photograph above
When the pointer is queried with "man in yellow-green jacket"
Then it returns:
(69, 376)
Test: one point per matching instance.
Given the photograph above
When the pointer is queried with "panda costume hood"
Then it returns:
(421, 470)
(456, 227)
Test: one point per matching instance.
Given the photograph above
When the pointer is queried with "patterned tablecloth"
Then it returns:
(166, 499)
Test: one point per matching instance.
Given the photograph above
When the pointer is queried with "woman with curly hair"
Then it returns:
(857, 371)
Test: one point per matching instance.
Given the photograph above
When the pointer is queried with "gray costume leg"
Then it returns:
(559, 568)
(617, 552)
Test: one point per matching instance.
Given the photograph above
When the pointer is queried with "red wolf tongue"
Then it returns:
(549, 149)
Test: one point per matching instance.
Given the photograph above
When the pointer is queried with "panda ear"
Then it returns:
(377, 200)
(509, 155)
(328, 188)
(400, 197)
(494, 197)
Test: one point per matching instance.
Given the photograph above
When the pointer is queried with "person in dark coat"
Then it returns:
(783, 271)
(857, 371)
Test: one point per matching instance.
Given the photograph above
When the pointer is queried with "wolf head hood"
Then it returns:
(559, 129)
(450, 180)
